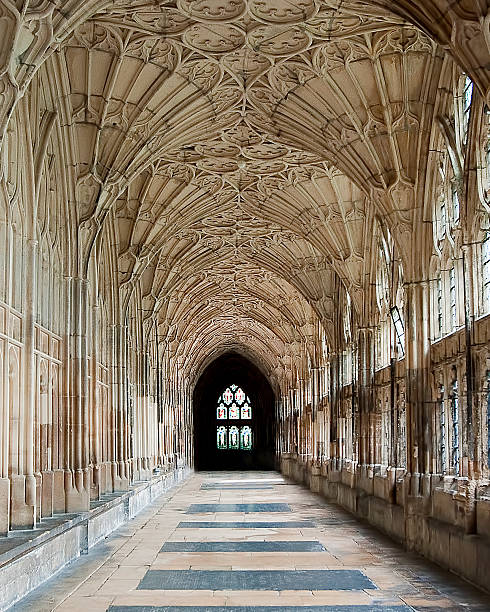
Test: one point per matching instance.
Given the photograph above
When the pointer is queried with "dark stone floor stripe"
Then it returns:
(245, 525)
(245, 508)
(362, 608)
(225, 487)
(273, 546)
(255, 580)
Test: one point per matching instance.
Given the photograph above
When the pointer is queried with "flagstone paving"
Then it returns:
(263, 545)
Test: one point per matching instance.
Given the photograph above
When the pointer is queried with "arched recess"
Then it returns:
(232, 368)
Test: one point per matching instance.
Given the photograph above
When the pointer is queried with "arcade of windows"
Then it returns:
(234, 405)
(452, 266)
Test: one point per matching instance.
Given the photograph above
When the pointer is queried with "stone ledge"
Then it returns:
(38, 554)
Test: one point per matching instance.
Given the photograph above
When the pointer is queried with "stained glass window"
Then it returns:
(234, 405)
(246, 438)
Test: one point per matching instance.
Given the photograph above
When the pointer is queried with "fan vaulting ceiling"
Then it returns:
(245, 148)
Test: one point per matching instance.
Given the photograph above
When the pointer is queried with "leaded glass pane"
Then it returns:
(228, 396)
(452, 296)
(233, 440)
(455, 426)
(234, 411)
(222, 438)
(222, 412)
(240, 396)
(246, 438)
(467, 97)
(246, 411)
(485, 251)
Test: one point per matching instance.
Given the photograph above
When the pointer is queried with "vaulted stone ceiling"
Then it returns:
(244, 148)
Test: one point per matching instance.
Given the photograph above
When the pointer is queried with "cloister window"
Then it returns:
(234, 407)
(442, 216)
(442, 429)
(439, 305)
(484, 166)
(390, 337)
(399, 328)
(452, 297)
(465, 107)
(485, 267)
(488, 419)
(455, 427)
(455, 202)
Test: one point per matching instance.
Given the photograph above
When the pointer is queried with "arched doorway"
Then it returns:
(234, 425)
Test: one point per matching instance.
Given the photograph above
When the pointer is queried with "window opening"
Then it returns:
(466, 106)
(488, 418)
(452, 296)
(456, 205)
(442, 430)
(455, 426)
(439, 304)
(399, 329)
(485, 255)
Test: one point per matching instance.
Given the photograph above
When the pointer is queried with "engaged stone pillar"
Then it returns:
(119, 420)
(23, 485)
(77, 485)
(419, 405)
(365, 342)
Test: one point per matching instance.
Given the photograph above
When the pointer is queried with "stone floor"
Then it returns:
(249, 542)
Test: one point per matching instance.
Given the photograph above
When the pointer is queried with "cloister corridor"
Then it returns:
(250, 542)
(244, 239)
